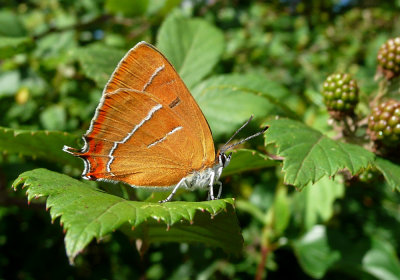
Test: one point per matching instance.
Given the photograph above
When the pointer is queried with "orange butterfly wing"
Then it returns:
(148, 130)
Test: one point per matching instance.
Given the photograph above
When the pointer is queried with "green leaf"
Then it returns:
(317, 200)
(41, 144)
(381, 260)
(193, 46)
(162, 8)
(228, 101)
(245, 160)
(10, 46)
(309, 155)
(54, 117)
(390, 171)
(281, 211)
(314, 252)
(11, 25)
(127, 7)
(86, 213)
(98, 62)
(9, 83)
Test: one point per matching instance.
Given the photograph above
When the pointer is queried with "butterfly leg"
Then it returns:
(220, 189)
(211, 191)
(181, 182)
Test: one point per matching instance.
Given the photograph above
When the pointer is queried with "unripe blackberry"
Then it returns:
(389, 58)
(369, 175)
(340, 93)
(384, 123)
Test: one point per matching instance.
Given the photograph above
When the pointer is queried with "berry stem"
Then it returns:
(382, 90)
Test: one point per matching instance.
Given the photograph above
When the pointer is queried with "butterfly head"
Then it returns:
(224, 159)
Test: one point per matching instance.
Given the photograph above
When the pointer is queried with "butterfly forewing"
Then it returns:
(145, 69)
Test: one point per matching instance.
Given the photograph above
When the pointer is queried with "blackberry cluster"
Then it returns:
(389, 57)
(340, 93)
(384, 123)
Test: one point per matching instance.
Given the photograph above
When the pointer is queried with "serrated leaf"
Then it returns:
(317, 200)
(193, 46)
(10, 46)
(390, 171)
(228, 101)
(41, 144)
(309, 155)
(314, 252)
(245, 160)
(98, 62)
(86, 213)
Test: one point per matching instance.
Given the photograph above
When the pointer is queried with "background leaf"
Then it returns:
(390, 171)
(317, 201)
(87, 213)
(310, 155)
(314, 253)
(245, 160)
(228, 101)
(41, 144)
(97, 69)
(381, 260)
(10, 46)
(193, 46)
(126, 7)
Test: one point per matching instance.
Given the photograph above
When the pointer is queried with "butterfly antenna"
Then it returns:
(226, 148)
(236, 132)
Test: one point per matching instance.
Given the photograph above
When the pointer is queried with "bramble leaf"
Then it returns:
(309, 155)
(87, 213)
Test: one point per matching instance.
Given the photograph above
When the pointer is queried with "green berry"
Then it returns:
(340, 93)
(389, 57)
(384, 123)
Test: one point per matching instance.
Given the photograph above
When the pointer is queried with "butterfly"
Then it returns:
(149, 132)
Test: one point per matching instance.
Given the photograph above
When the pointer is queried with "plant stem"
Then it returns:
(261, 266)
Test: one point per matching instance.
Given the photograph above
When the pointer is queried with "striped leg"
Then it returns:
(181, 182)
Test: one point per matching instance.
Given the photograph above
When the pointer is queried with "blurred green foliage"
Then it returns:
(56, 56)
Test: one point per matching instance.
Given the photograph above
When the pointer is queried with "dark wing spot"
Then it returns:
(174, 103)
